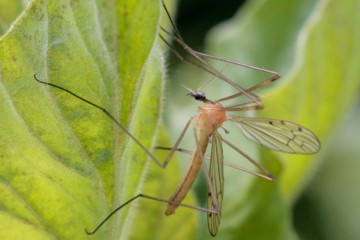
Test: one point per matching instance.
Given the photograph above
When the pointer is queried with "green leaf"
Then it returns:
(9, 10)
(64, 164)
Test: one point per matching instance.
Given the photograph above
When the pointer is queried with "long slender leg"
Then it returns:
(213, 70)
(205, 68)
(238, 63)
(163, 165)
(146, 197)
(273, 78)
(210, 185)
(260, 85)
(107, 113)
(264, 170)
(189, 152)
(235, 107)
(167, 160)
(182, 58)
(210, 69)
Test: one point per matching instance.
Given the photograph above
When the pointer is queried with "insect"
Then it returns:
(275, 134)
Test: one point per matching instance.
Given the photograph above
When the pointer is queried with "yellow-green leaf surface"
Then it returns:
(64, 164)
(314, 45)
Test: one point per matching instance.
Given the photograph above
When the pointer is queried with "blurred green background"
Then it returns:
(329, 206)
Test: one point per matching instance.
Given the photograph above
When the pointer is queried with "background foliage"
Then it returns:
(64, 166)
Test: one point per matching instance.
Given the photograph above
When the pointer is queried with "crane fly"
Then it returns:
(275, 134)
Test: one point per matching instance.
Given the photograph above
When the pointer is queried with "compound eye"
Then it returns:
(199, 95)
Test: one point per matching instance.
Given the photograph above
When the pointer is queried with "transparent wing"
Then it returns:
(278, 134)
(216, 172)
